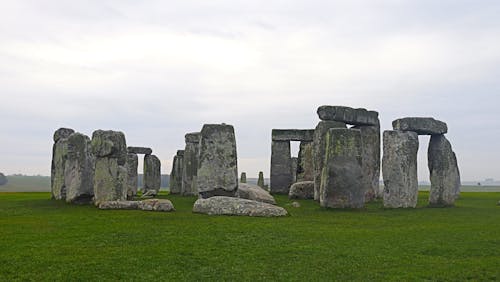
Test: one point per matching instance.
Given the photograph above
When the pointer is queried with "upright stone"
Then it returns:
(444, 173)
(370, 138)
(260, 181)
(59, 157)
(132, 164)
(176, 174)
(243, 178)
(152, 174)
(399, 169)
(218, 165)
(295, 165)
(305, 170)
(341, 180)
(319, 145)
(79, 169)
(190, 164)
(281, 167)
(110, 180)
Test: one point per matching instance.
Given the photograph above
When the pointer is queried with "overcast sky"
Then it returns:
(159, 69)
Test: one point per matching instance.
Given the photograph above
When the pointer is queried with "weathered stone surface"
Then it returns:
(163, 205)
(281, 167)
(399, 169)
(218, 165)
(149, 194)
(79, 169)
(319, 146)
(370, 138)
(132, 164)
(260, 181)
(110, 144)
(295, 164)
(176, 175)
(444, 173)
(348, 115)
(341, 181)
(305, 170)
(295, 204)
(292, 135)
(220, 205)
(302, 190)
(59, 157)
(110, 181)
(139, 150)
(152, 175)
(3, 179)
(243, 178)
(62, 133)
(255, 193)
(421, 125)
(190, 164)
(119, 205)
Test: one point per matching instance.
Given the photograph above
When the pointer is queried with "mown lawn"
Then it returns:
(45, 240)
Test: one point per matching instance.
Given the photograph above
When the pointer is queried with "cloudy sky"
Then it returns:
(159, 69)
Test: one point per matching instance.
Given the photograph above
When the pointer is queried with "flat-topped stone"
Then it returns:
(255, 193)
(62, 133)
(140, 150)
(420, 125)
(293, 135)
(193, 137)
(302, 190)
(221, 205)
(348, 115)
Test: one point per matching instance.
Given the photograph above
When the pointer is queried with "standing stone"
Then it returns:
(190, 164)
(319, 145)
(218, 165)
(295, 165)
(176, 174)
(243, 178)
(132, 164)
(260, 181)
(281, 167)
(444, 173)
(370, 138)
(341, 180)
(59, 156)
(79, 169)
(399, 169)
(305, 170)
(152, 174)
(110, 180)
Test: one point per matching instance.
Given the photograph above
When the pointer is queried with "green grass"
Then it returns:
(43, 240)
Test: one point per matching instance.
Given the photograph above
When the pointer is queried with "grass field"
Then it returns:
(45, 240)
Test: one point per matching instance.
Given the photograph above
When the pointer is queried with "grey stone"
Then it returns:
(348, 115)
(110, 181)
(221, 205)
(149, 194)
(370, 138)
(132, 164)
(139, 150)
(319, 146)
(444, 172)
(119, 205)
(3, 179)
(295, 164)
(62, 133)
(305, 170)
(176, 175)
(341, 181)
(295, 204)
(292, 135)
(162, 205)
(260, 181)
(59, 157)
(421, 125)
(255, 193)
(302, 190)
(243, 178)
(399, 169)
(281, 167)
(79, 169)
(218, 165)
(110, 144)
(152, 174)
(190, 164)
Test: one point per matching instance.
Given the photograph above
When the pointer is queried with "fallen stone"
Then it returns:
(62, 133)
(292, 135)
(295, 204)
(149, 194)
(119, 205)
(152, 175)
(255, 193)
(190, 164)
(341, 182)
(221, 205)
(139, 150)
(444, 172)
(163, 205)
(132, 164)
(370, 138)
(399, 169)
(79, 169)
(282, 175)
(421, 125)
(302, 190)
(348, 115)
(218, 164)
